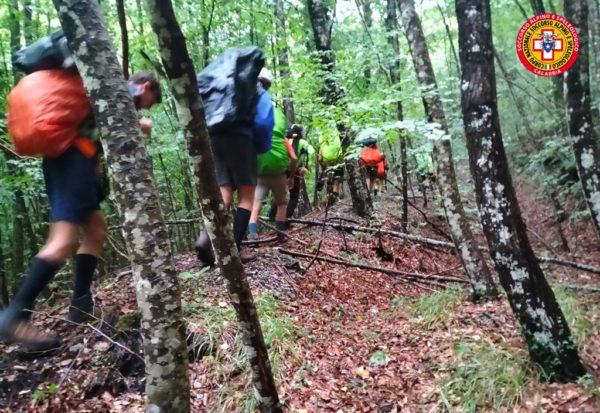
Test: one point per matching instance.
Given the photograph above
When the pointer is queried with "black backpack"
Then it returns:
(50, 52)
(228, 87)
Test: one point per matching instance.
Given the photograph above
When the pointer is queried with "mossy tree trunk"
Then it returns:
(579, 112)
(179, 68)
(482, 285)
(148, 245)
(541, 320)
(333, 95)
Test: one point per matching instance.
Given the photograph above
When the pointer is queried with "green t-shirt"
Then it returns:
(276, 161)
(331, 149)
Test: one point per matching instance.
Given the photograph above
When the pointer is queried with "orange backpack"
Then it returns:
(370, 156)
(45, 110)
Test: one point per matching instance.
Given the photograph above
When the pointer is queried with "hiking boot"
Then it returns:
(252, 236)
(204, 250)
(247, 256)
(81, 309)
(15, 328)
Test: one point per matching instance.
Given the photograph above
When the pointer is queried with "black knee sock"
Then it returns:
(40, 274)
(85, 265)
(240, 225)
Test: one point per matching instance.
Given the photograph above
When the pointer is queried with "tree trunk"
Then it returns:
(124, 37)
(28, 22)
(583, 139)
(283, 56)
(368, 20)
(180, 70)
(472, 259)
(542, 322)
(148, 246)
(594, 24)
(332, 95)
(391, 21)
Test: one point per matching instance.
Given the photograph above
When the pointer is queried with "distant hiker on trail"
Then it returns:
(303, 150)
(52, 106)
(374, 163)
(276, 171)
(238, 140)
(331, 159)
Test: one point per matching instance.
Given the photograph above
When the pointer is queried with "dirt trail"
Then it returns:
(354, 344)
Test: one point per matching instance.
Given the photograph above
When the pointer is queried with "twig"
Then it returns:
(543, 241)
(435, 227)
(584, 288)
(259, 241)
(88, 325)
(116, 343)
(413, 276)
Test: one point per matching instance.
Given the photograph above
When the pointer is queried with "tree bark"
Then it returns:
(283, 57)
(542, 322)
(332, 95)
(124, 37)
(473, 262)
(391, 21)
(594, 24)
(148, 246)
(180, 70)
(583, 139)
(368, 20)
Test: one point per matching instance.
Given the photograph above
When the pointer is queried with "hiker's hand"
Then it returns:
(290, 183)
(302, 172)
(146, 125)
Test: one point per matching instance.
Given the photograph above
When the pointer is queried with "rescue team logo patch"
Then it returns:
(547, 45)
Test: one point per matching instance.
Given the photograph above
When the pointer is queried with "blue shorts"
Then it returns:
(72, 186)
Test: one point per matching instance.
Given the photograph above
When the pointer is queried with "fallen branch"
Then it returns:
(251, 242)
(437, 243)
(413, 276)
(584, 288)
(167, 222)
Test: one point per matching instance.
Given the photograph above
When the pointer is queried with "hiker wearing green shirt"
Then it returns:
(276, 170)
(331, 159)
(303, 151)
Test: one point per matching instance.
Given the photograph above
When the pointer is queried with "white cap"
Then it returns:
(265, 74)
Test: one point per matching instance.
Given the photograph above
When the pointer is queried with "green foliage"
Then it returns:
(43, 392)
(485, 377)
(434, 310)
(580, 311)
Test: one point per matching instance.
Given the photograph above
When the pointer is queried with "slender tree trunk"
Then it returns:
(542, 322)
(594, 24)
(583, 139)
(28, 22)
(333, 94)
(368, 19)
(472, 259)
(391, 21)
(283, 56)
(450, 40)
(124, 37)
(561, 217)
(148, 246)
(180, 71)
(3, 278)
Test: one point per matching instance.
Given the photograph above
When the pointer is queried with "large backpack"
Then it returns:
(228, 87)
(50, 52)
(45, 111)
(370, 156)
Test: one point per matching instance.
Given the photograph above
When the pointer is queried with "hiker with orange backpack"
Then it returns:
(49, 114)
(373, 161)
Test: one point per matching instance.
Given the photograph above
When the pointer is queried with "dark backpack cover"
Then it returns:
(228, 87)
(51, 52)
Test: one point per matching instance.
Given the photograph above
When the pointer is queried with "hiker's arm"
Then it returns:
(146, 125)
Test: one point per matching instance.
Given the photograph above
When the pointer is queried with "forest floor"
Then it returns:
(341, 339)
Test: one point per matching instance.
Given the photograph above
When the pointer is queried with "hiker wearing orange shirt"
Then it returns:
(374, 163)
